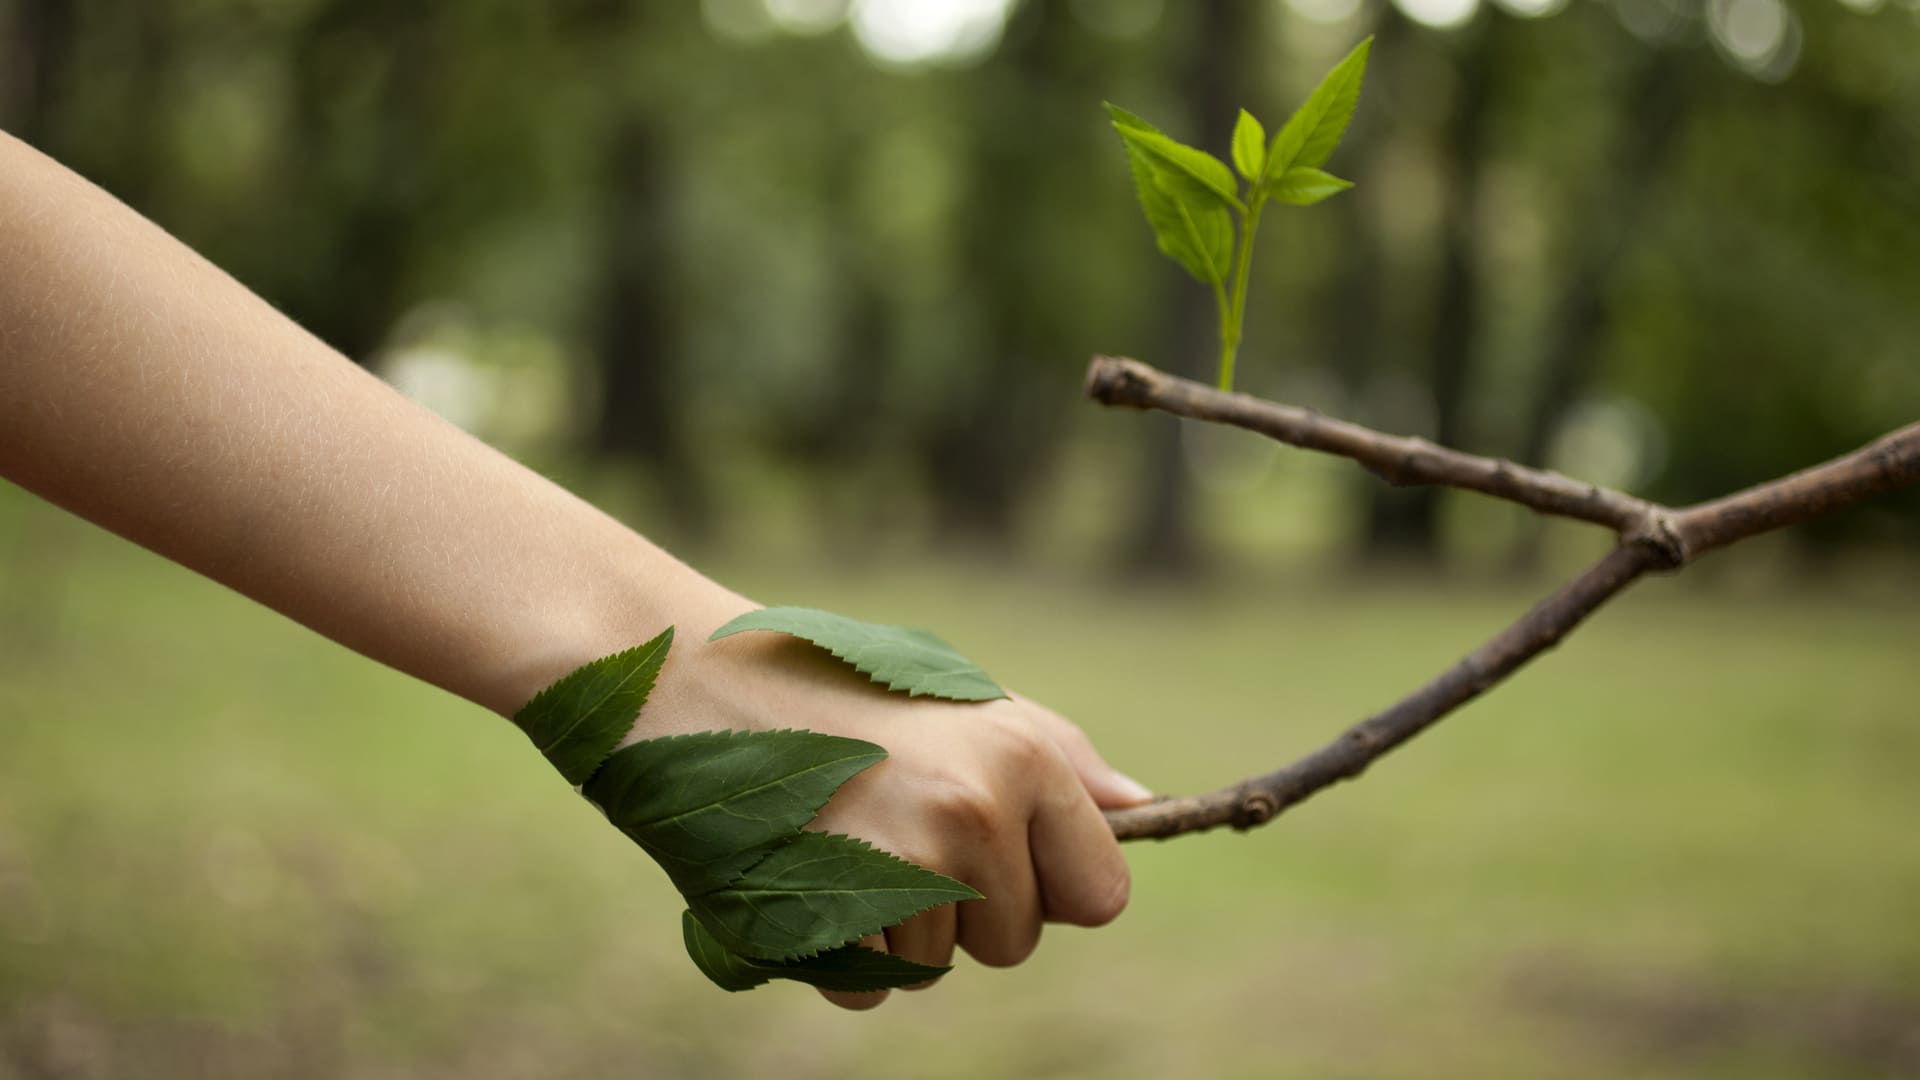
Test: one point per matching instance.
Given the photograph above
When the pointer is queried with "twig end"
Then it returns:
(1116, 380)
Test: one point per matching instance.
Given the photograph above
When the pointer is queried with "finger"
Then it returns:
(1083, 878)
(859, 1002)
(1111, 789)
(1003, 928)
(926, 938)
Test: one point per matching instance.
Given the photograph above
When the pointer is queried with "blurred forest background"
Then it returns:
(805, 289)
(852, 261)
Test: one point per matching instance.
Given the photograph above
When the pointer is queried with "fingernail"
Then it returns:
(1132, 789)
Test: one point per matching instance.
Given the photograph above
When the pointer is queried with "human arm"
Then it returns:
(144, 389)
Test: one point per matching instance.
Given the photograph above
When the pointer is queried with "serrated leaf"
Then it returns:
(1206, 226)
(854, 968)
(728, 970)
(578, 720)
(709, 805)
(1315, 128)
(1208, 175)
(1303, 186)
(1189, 220)
(1249, 146)
(1198, 237)
(816, 892)
(898, 657)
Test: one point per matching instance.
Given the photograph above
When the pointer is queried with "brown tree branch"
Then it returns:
(1652, 537)
(1397, 459)
(1886, 464)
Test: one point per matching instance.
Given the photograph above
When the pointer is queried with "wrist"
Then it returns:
(610, 613)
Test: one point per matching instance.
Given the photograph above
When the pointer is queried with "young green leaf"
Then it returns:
(709, 805)
(1194, 231)
(1190, 223)
(1186, 166)
(1249, 147)
(899, 657)
(1314, 130)
(817, 892)
(852, 968)
(578, 720)
(1304, 186)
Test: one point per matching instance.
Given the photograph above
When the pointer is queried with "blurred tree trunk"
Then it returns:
(1350, 338)
(33, 65)
(126, 153)
(840, 429)
(843, 433)
(1657, 105)
(1403, 523)
(371, 202)
(642, 398)
(1163, 541)
(998, 425)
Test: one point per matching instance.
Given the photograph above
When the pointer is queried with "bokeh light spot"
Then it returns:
(1326, 12)
(1761, 37)
(807, 16)
(908, 32)
(1533, 9)
(1439, 14)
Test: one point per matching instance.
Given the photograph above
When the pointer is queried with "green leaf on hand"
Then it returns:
(1249, 146)
(901, 658)
(578, 720)
(1315, 128)
(723, 811)
(709, 805)
(852, 968)
(1304, 186)
(817, 892)
(1190, 218)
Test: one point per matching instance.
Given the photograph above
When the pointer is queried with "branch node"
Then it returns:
(1406, 471)
(1656, 531)
(1255, 808)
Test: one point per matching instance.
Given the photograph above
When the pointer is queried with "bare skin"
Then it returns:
(145, 390)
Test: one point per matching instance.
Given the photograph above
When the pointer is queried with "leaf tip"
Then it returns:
(1125, 121)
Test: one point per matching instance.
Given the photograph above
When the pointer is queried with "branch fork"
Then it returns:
(1652, 537)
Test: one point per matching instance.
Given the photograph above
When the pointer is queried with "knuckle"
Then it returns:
(1021, 741)
(965, 808)
(1070, 733)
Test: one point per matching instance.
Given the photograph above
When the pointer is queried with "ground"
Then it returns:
(1682, 845)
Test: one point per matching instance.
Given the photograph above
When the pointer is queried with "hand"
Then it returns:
(1003, 795)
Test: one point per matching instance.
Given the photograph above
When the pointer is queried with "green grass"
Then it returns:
(1683, 845)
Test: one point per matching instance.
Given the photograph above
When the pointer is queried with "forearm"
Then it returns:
(144, 389)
